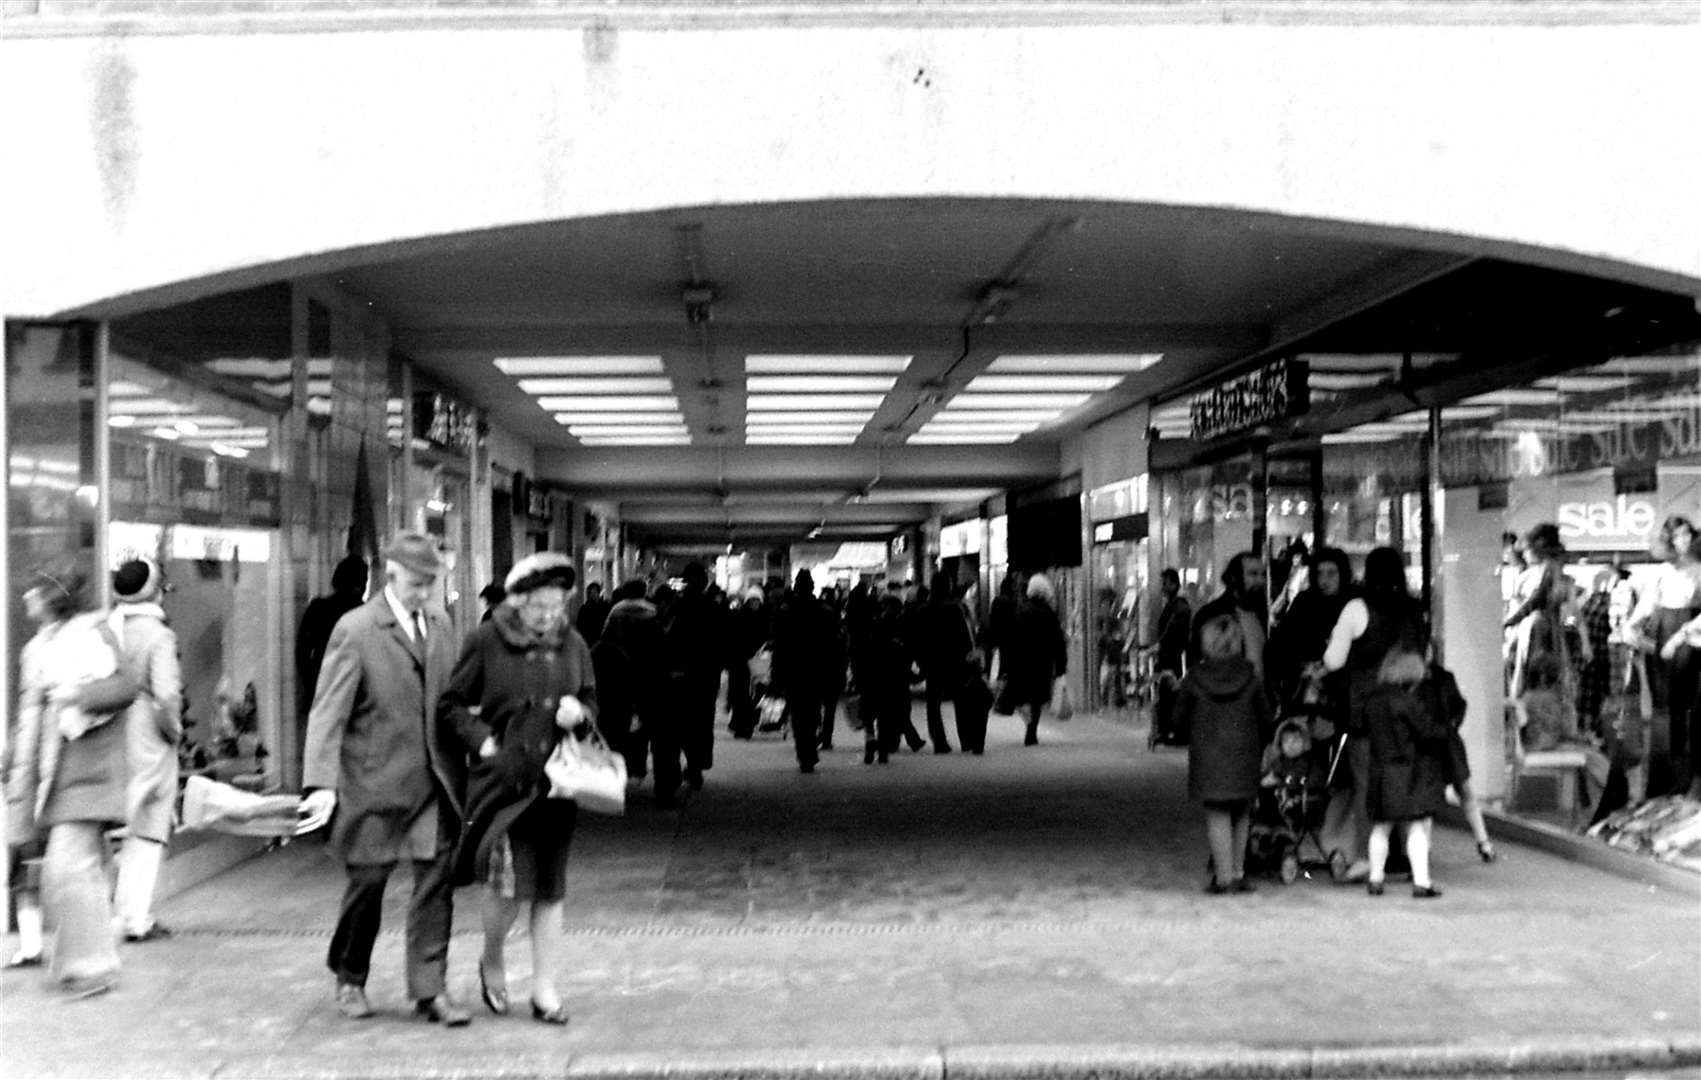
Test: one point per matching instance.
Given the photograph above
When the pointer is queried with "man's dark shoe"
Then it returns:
(351, 1001)
(441, 1010)
(694, 778)
(942, 748)
(1032, 737)
(806, 766)
(152, 933)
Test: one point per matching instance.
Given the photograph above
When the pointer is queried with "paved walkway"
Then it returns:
(1033, 912)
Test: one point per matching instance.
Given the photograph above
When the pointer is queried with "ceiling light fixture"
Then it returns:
(788, 364)
(660, 417)
(801, 402)
(820, 384)
(1059, 383)
(580, 365)
(610, 403)
(1018, 401)
(1075, 363)
(599, 384)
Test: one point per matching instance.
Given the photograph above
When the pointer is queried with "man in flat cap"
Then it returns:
(379, 773)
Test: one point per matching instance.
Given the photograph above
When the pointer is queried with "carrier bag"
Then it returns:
(587, 772)
(1065, 707)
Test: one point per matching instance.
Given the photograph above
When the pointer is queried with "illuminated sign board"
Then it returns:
(1274, 392)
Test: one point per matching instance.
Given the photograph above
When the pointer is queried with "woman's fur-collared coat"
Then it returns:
(507, 686)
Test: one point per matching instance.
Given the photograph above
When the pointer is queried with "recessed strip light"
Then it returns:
(921, 438)
(599, 384)
(1096, 363)
(580, 365)
(976, 429)
(1018, 401)
(861, 417)
(636, 440)
(820, 384)
(775, 364)
(611, 403)
(619, 418)
(798, 402)
(634, 430)
(799, 440)
(803, 429)
(994, 416)
(1005, 384)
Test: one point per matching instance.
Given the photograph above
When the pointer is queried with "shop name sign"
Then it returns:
(1273, 392)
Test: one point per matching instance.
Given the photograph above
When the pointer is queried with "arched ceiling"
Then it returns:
(953, 285)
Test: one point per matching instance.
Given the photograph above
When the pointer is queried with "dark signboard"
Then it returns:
(1274, 392)
(443, 422)
(1116, 530)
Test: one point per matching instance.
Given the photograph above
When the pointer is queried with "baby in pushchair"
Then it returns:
(1286, 822)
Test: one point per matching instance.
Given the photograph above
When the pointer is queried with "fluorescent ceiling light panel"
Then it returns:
(773, 364)
(929, 495)
(976, 429)
(1515, 397)
(802, 429)
(636, 440)
(580, 365)
(628, 429)
(798, 440)
(809, 417)
(662, 417)
(611, 403)
(994, 416)
(1582, 384)
(819, 384)
(599, 384)
(1059, 402)
(1093, 363)
(924, 438)
(781, 402)
(1004, 384)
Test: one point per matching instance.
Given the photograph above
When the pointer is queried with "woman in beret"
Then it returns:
(523, 683)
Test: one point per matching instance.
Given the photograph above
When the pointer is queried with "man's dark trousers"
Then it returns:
(805, 713)
(430, 913)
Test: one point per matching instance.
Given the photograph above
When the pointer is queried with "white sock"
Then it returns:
(1417, 850)
(1379, 831)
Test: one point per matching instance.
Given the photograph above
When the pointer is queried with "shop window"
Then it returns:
(1601, 457)
(193, 485)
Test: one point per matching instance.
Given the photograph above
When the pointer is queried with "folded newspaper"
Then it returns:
(219, 807)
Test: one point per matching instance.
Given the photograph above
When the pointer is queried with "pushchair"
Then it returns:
(1287, 819)
(1155, 689)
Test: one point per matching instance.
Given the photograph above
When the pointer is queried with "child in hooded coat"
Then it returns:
(1222, 700)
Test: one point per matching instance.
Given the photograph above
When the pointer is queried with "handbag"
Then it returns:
(1065, 701)
(588, 772)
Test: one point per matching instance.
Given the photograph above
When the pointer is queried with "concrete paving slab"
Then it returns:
(1027, 913)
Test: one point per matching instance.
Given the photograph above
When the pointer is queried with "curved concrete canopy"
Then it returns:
(1203, 289)
(1146, 182)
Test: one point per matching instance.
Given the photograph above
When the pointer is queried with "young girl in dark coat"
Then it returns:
(1222, 700)
(1407, 721)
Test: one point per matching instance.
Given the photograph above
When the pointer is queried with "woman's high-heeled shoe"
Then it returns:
(1374, 888)
(495, 999)
(1425, 892)
(1485, 849)
(557, 1015)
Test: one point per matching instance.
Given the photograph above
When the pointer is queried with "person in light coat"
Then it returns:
(67, 775)
(390, 785)
(153, 725)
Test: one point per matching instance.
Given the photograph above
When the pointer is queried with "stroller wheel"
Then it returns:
(1290, 868)
(1338, 865)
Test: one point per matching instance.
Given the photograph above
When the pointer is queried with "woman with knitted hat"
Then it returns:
(152, 727)
(524, 682)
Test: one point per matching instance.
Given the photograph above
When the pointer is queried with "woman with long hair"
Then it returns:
(1382, 618)
(68, 773)
(1671, 602)
(523, 683)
